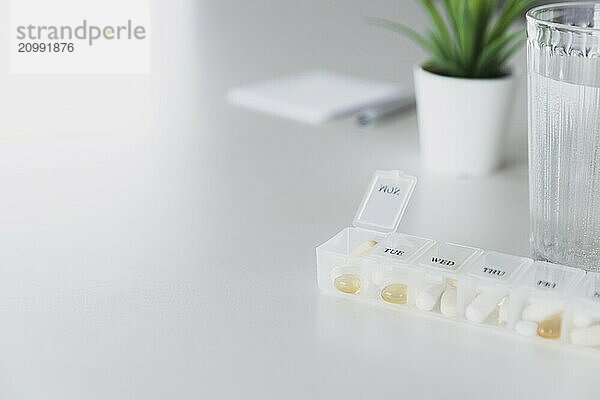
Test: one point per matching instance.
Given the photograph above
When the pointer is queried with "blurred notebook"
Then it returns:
(316, 96)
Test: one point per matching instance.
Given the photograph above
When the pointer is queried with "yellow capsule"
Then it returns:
(347, 283)
(363, 248)
(550, 327)
(452, 282)
(396, 293)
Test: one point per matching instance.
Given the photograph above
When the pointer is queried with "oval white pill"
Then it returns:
(448, 302)
(503, 312)
(526, 328)
(537, 312)
(474, 314)
(589, 336)
(582, 319)
(484, 304)
(429, 296)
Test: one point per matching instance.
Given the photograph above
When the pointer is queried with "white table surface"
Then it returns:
(177, 260)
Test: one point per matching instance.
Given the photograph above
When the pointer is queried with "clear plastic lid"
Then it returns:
(448, 256)
(385, 201)
(399, 247)
(552, 278)
(497, 266)
(589, 288)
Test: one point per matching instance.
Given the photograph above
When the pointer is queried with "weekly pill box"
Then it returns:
(373, 263)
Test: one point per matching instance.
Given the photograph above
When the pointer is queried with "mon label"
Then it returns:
(393, 190)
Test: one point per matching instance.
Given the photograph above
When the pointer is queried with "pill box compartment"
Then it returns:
(484, 289)
(341, 265)
(390, 270)
(540, 298)
(436, 277)
(582, 318)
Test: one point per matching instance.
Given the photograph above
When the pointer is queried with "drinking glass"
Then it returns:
(563, 56)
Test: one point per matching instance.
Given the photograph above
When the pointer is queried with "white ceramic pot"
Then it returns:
(462, 122)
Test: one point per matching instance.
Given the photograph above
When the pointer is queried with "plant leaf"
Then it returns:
(467, 38)
(510, 12)
(489, 57)
(402, 29)
(438, 21)
(510, 51)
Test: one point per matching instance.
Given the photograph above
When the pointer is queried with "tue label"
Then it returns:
(393, 252)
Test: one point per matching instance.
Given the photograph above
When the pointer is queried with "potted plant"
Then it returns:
(465, 89)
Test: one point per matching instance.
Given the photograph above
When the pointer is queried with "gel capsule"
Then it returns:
(347, 283)
(589, 336)
(396, 293)
(550, 328)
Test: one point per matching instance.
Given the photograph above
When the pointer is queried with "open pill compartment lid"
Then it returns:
(550, 278)
(385, 201)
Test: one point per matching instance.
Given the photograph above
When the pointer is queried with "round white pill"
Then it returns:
(428, 297)
(526, 328)
(582, 319)
(474, 314)
(537, 312)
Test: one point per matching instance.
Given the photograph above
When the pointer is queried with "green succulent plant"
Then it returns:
(467, 38)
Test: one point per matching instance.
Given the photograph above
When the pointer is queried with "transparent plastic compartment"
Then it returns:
(340, 261)
(484, 290)
(540, 299)
(341, 266)
(582, 320)
(390, 270)
(436, 277)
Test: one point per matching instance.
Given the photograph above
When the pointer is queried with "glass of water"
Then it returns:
(563, 56)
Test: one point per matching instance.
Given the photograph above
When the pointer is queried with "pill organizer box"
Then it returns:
(373, 263)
